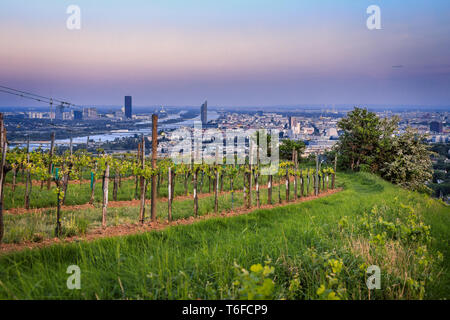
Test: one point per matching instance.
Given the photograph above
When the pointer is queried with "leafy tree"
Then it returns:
(410, 163)
(365, 140)
(368, 143)
(442, 149)
(287, 146)
(442, 189)
(439, 175)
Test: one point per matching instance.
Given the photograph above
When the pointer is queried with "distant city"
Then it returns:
(112, 128)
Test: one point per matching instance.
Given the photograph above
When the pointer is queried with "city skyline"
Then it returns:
(238, 53)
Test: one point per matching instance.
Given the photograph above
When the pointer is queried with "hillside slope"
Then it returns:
(370, 223)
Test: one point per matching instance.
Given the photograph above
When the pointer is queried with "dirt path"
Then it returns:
(128, 229)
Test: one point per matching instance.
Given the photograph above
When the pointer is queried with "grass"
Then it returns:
(197, 261)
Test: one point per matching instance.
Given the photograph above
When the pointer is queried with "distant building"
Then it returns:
(204, 113)
(296, 128)
(292, 122)
(119, 114)
(436, 126)
(128, 108)
(36, 115)
(67, 115)
(59, 113)
(331, 132)
(78, 115)
(89, 113)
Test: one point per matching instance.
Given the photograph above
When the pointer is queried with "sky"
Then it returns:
(231, 52)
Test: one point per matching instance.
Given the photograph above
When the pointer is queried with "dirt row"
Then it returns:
(136, 228)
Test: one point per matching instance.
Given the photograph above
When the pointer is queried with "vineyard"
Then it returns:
(142, 227)
(43, 190)
(307, 250)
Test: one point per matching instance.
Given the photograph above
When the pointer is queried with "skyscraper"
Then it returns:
(128, 112)
(204, 113)
(436, 126)
(59, 113)
(78, 115)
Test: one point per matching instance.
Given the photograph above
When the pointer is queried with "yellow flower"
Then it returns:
(257, 268)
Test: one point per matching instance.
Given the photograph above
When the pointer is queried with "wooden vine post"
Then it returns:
(269, 190)
(270, 178)
(316, 176)
(279, 187)
(195, 191)
(58, 228)
(250, 186)
(50, 164)
(136, 180)
(323, 181)
(245, 185)
(287, 184)
(216, 189)
(169, 193)
(295, 174)
(250, 175)
(71, 146)
(28, 183)
(154, 156)
(65, 181)
(142, 182)
(258, 200)
(231, 187)
(105, 195)
(308, 182)
(302, 184)
(93, 181)
(187, 174)
(333, 177)
(328, 180)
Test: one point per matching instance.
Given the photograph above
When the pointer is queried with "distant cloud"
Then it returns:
(397, 66)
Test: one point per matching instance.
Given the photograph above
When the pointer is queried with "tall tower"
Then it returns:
(436, 126)
(59, 112)
(204, 113)
(128, 110)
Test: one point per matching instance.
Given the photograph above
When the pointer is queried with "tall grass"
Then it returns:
(197, 261)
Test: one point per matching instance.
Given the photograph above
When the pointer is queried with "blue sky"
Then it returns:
(233, 52)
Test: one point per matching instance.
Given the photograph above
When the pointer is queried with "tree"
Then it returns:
(409, 162)
(366, 139)
(287, 146)
(357, 145)
(369, 142)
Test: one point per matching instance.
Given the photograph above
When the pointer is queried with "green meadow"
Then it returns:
(318, 249)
